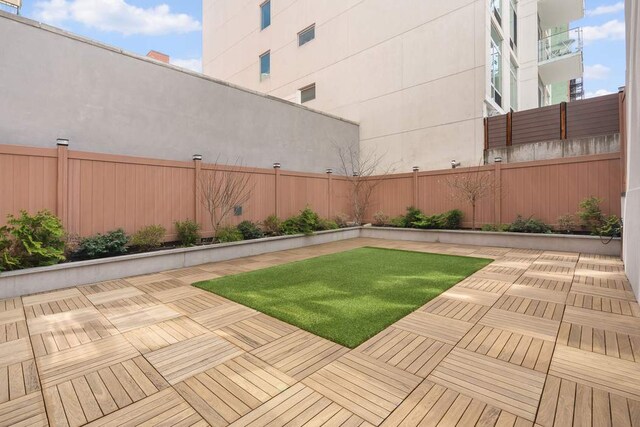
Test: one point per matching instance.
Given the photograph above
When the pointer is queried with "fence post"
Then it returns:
(63, 181)
(486, 133)
(329, 191)
(416, 169)
(509, 128)
(197, 205)
(563, 120)
(276, 169)
(497, 190)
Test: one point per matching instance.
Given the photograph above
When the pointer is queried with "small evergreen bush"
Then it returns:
(529, 225)
(271, 226)
(250, 230)
(591, 214)
(450, 220)
(228, 234)
(106, 245)
(188, 232)
(149, 237)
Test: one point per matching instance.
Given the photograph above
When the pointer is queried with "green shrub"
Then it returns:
(612, 227)
(228, 234)
(413, 215)
(342, 220)
(106, 245)
(304, 223)
(450, 220)
(149, 237)
(591, 214)
(566, 223)
(494, 227)
(188, 232)
(380, 219)
(271, 226)
(250, 230)
(529, 225)
(398, 221)
(327, 224)
(31, 241)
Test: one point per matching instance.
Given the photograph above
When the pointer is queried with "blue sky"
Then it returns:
(174, 27)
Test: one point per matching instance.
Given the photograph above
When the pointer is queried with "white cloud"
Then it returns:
(189, 64)
(116, 16)
(596, 72)
(611, 30)
(599, 92)
(606, 9)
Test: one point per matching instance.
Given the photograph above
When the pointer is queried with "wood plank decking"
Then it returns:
(535, 338)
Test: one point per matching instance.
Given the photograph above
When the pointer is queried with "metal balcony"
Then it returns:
(554, 13)
(560, 56)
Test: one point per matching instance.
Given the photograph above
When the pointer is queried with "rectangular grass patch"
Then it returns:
(350, 296)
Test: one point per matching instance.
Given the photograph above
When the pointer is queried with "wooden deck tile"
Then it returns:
(147, 278)
(233, 389)
(617, 376)
(505, 274)
(255, 331)
(608, 321)
(530, 307)
(159, 335)
(47, 297)
(166, 408)
(603, 291)
(508, 387)
(223, 315)
(410, 352)
(74, 362)
(15, 351)
(27, 410)
(565, 402)
(606, 304)
(56, 332)
(192, 356)
(485, 285)
(363, 385)
(601, 341)
(89, 397)
(471, 295)
(114, 295)
(535, 327)
(455, 309)
(158, 286)
(193, 305)
(521, 350)
(437, 327)
(107, 285)
(177, 293)
(135, 317)
(299, 354)
(433, 404)
(18, 379)
(12, 320)
(537, 293)
(542, 282)
(54, 302)
(299, 405)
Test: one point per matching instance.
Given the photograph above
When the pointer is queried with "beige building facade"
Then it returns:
(419, 76)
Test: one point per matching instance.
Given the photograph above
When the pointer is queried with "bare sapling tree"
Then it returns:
(224, 188)
(471, 187)
(364, 171)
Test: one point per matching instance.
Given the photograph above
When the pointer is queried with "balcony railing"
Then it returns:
(560, 45)
(576, 90)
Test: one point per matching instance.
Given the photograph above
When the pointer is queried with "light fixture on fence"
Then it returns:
(356, 174)
(63, 142)
(497, 159)
(276, 165)
(329, 170)
(416, 169)
(197, 157)
(454, 164)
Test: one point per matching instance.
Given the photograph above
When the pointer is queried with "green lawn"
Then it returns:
(347, 297)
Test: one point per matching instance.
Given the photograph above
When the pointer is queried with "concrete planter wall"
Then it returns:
(34, 280)
(555, 242)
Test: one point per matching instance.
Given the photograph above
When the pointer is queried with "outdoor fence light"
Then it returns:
(355, 174)
(62, 141)
(454, 164)
(276, 165)
(498, 159)
(329, 170)
(197, 157)
(416, 169)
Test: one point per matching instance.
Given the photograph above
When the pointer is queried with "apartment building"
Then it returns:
(419, 76)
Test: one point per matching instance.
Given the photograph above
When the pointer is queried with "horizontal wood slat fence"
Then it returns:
(94, 193)
(577, 119)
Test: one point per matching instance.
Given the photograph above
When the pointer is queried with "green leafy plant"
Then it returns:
(149, 237)
(304, 223)
(398, 221)
(612, 227)
(228, 234)
(413, 215)
(529, 225)
(106, 245)
(494, 227)
(327, 224)
(450, 220)
(566, 223)
(31, 241)
(250, 230)
(380, 218)
(271, 226)
(591, 214)
(188, 232)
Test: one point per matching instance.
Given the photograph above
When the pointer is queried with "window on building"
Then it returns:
(514, 86)
(308, 93)
(496, 9)
(265, 65)
(265, 14)
(496, 66)
(514, 25)
(306, 35)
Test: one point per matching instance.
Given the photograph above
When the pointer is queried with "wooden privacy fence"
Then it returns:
(94, 193)
(577, 119)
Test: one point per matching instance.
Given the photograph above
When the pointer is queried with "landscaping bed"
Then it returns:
(350, 296)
